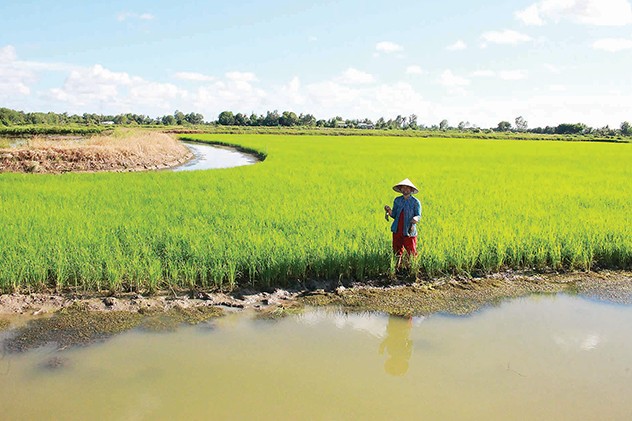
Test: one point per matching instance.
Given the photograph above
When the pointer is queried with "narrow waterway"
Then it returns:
(542, 357)
(214, 156)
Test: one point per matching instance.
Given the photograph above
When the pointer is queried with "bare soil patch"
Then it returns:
(125, 150)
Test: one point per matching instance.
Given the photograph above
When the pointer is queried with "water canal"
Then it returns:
(542, 357)
(208, 157)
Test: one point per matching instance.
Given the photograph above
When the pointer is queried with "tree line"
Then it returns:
(289, 118)
(9, 117)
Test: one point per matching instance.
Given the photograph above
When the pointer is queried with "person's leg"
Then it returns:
(398, 248)
(410, 245)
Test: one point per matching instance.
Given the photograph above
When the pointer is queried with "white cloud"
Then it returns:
(530, 15)
(328, 99)
(557, 88)
(241, 76)
(93, 84)
(505, 37)
(612, 45)
(512, 74)
(15, 77)
(458, 45)
(483, 73)
(236, 92)
(193, 76)
(502, 74)
(414, 70)
(123, 16)
(388, 47)
(354, 76)
(553, 68)
(291, 93)
(450, 80)
(156, 94)
(7, 54)
(312, 39)
(92, 88)
(587, 12)
(332, 95)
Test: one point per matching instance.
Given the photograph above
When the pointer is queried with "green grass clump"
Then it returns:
(313, 210)
(42, 130)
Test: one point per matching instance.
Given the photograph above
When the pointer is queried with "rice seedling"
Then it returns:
(313, 210)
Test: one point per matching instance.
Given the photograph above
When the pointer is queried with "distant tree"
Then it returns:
(412, 122)
(194, 118)
(254, 120)
(521, 124)
(503, 126)
(271, 118)
(321, 123)
(602, 131)
(337, 121)
(168, 120)
(10, 117)
(307, 120)
(443, 125)
(241, 120)
(179, 116)
(121, 119)
(380, 123)
(288, 118)
(226, 118)
(626, 129)
(570, 128)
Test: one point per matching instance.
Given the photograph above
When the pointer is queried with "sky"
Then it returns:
(478, 62)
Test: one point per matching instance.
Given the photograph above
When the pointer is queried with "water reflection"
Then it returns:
(562, 358)
(208, 157)
(398, 345)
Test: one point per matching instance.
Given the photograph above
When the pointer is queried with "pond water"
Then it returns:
(542, 357)
(214, 156)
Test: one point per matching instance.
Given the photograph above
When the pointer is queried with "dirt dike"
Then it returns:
(29, 321)
(467, 295)
(131, 151)
(450, 294)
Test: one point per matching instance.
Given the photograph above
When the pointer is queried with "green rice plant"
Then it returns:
(313, 209)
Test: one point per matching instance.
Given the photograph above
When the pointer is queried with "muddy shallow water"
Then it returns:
(536, 357)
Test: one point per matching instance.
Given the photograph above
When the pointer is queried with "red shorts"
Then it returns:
(401, 243)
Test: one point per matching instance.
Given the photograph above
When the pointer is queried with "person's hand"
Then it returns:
(387, 208)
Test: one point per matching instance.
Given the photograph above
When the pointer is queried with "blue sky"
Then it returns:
(550, 61)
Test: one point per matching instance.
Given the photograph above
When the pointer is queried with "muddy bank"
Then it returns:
(126, 151)
(464, 296)
(34, 320)
(78, 326)
(451, 295)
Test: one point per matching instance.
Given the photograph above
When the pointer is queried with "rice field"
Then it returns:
(314, 210)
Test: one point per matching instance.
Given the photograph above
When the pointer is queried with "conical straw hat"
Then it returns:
(405, 182)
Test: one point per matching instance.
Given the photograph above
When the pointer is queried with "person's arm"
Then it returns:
(417, 216)
(391, 211)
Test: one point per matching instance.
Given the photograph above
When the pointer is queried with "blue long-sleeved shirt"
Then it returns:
(411, 208)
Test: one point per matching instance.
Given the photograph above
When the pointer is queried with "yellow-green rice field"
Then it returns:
(314, 210)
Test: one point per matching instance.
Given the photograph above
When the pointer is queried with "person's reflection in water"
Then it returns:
(398, 345)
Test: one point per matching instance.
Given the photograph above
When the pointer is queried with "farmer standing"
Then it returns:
(406, 213)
